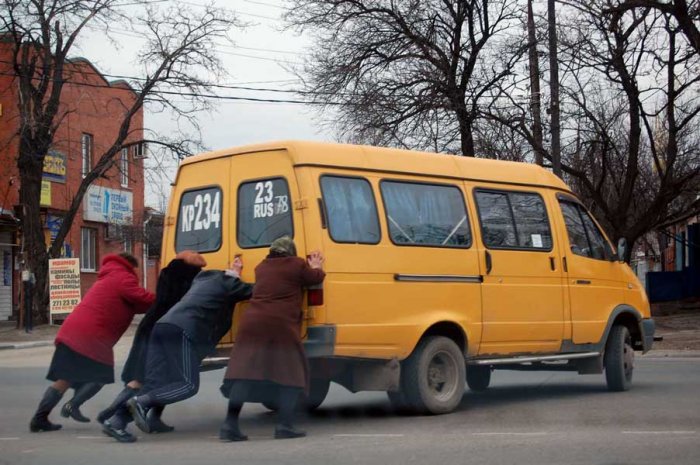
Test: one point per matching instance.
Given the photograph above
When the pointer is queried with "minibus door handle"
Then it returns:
(489, 264)
(552, 264)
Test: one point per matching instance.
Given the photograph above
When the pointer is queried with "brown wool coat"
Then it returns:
(268, 341)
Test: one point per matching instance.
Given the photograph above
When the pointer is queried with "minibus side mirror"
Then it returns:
(621, 249)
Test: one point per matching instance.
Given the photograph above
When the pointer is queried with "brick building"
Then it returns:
(113, 204)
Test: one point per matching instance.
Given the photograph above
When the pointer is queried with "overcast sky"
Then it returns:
(259, 57)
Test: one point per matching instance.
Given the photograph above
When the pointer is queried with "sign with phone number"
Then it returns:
(64, 285)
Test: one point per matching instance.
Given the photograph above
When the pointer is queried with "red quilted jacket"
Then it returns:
(106, 311)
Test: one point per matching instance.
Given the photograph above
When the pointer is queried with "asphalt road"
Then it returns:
(524, 418)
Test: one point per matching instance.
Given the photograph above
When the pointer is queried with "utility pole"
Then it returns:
(554, 88)
(535, 93)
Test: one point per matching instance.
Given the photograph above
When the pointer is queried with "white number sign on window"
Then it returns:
(203, 213)
(268, 204)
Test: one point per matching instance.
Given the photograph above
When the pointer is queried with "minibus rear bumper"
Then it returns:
(648, 327)
(320, 341)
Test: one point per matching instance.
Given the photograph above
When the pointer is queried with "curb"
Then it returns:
(24, 345)
(661, 354)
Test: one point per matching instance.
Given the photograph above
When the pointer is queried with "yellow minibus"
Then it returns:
(440, 268)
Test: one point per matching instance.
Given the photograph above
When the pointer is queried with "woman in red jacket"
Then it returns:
(83, 358)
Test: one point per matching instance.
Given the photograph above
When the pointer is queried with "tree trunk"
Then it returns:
(35, 254)
(554, 87)
(466, 132)
(535, 94)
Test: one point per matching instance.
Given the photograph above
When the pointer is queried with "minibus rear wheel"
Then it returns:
(619, 359)
(478, 377)
(318, 389)
(433, 376)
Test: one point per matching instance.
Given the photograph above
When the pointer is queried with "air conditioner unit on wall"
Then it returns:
(140, 151)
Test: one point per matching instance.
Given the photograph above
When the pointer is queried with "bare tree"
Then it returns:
(686, 14)
(414, 73)
(178, 59)
(630, 94)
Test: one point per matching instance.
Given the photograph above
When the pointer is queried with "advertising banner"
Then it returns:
(55, 166)
(106, 205)
(45, 200)
(64, 285)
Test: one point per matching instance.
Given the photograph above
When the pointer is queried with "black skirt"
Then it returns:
(70, 366)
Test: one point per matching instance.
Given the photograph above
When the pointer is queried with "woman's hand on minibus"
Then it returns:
(316, 259)
(236, 265)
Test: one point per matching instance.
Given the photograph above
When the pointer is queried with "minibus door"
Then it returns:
(594, 280)
(263, 191)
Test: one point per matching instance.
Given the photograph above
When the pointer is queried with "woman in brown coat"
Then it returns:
(268, 352)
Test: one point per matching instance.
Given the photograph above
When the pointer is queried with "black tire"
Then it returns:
(270, 405)
(478, 377)
(398, 401)
(318, 390)
(433, 376)
(619, 359)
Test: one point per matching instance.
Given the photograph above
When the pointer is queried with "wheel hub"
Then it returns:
(442, 374)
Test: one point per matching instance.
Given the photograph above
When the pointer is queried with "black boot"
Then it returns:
(155, 423)
(126, 394)
(287, 400)
(40, 420)
(229, 430)
(82, 394)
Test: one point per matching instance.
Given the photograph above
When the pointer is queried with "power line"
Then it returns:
(200, 94)
(265, 4)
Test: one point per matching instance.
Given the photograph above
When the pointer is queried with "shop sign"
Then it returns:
(106, 205)
(64, 285)
(45, 200)
(55, 166)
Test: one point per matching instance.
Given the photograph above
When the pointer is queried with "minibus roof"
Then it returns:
(381, 159)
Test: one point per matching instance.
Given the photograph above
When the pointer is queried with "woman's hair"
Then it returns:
(130, 258)
(283, 246)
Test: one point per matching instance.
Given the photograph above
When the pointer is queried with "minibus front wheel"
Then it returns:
(433, 376)
(619, 359)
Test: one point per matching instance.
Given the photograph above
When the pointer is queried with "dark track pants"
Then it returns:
(172, 367)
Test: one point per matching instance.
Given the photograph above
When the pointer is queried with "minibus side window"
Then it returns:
(264, 212)
(351, 210)
(513, 220)
(426, 214)
(585, 238)
(199, 220)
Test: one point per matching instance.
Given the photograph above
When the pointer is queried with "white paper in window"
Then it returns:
(536, 240)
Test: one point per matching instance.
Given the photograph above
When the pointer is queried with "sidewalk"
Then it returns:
(41, 336)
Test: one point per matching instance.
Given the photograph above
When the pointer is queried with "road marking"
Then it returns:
(9, 439)
(368, 435)
(659, 432)
(539, 433)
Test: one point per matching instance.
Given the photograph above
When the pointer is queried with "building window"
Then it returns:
(124, 167)
(350, 209)
(88, 249)
(128, 243)
(86, 150)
